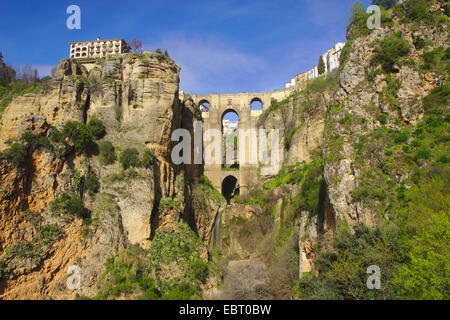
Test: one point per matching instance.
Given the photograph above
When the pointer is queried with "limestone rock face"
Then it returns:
(361, 100)
(136, 97)
(61, 99)
(141, 94)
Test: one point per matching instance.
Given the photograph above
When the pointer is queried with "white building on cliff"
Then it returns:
(331, 59)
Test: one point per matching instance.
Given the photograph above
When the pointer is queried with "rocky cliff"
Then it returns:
(354, 142)
(136, 98)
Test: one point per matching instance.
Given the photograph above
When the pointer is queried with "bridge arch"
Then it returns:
(230, 187)
(204, 105)
(256, 104)
(228, 111)
(229, 129)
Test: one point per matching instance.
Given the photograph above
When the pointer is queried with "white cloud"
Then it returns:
(209, 65)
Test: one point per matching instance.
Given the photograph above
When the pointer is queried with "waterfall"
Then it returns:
(217, 229)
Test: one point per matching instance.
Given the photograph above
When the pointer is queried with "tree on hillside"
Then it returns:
(321, 67)
(28, 74)
(7, 74)
(158, 51)
(135, 44)
(166, 53)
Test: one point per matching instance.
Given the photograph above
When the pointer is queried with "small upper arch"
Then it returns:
(256, 104)
(204, 105)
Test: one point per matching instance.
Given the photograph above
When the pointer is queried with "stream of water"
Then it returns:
(217, 229)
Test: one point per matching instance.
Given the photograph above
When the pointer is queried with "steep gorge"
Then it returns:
(354, 143)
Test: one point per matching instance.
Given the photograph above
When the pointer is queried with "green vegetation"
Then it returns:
(148, 159)
(424, 218)
(321, 66)
(80, 136)
(45, 236)
(320, 84)
(345, 53)
(123, 176)
(49, 233)
(358, 21)
(183, 247)
(15, 154)
(294, 174)
(96, 128)
(4, 269)
(56, 136)
(389, 52)
(311, 197)
(92, 184)
(107, 153)
(15, 89)
(437, 61)
(169, 203)
(129, 158)
(417, 11)
(139, 272)
(343, 270)
(69, 205)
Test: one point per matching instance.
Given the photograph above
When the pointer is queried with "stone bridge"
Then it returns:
(240, 103)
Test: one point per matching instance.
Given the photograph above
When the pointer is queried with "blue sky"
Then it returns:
(222, 45)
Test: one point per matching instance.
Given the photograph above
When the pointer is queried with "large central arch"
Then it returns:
(229, 130)
(241, 104)
(230, 187)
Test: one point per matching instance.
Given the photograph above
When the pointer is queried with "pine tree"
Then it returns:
(321, 67)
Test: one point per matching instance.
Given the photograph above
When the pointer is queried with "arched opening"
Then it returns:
(256, 104)
(230, 126)
(230, 188)
(204, 105)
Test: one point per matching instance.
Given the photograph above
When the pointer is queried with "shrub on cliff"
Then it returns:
(80, 136)
(96, 128)
(148, 158)
(33, 141)
(129, 158)
(92, 184)
(107, 153)
(343, 270)
(15, 154)
(425, 221)
(66, 204)
(389, 52)
(56, 136)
